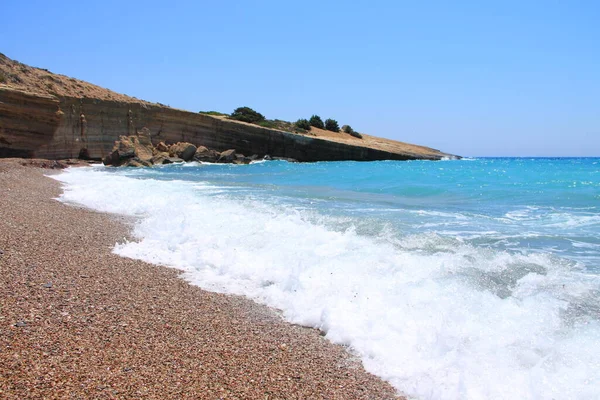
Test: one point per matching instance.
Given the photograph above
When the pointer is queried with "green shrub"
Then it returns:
(356, 134)
(303, 124)
(220, 114)
(332, 125)
(246, 114)
(316, 121)
(2, 78)
(347, 129)
(268, 124)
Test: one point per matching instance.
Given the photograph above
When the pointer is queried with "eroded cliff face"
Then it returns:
(27, 122)
(52, 116)
(33, 125)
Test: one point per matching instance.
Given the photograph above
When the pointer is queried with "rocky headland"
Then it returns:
(46, 115)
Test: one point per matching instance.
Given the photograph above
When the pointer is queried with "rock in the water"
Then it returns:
(172, 160)
(285, 159)
(107, 159)
(241, 159)
(206, 155)
(227, 156)
(160, 158)
(182, 150)
(136, 162)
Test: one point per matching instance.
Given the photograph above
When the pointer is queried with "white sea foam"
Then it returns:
(436, 317)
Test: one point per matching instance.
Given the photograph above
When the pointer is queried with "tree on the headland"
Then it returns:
(303, 124)
(332, 125)
(348, 129)
(316, 121)
(246, 114)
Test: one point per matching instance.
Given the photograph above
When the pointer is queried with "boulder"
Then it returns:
(136, 162)
(143, 137)
(128, 147)
(241, 159)
(182, 150)
(205, 155)
(162, 147)
(143, 152)
(160, 158)
(172, 160)
(227, 156)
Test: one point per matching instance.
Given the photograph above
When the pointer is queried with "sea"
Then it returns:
(454, 279)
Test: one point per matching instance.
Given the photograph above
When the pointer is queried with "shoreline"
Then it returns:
(79, 321)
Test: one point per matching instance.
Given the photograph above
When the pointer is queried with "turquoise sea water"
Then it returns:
(474, 278)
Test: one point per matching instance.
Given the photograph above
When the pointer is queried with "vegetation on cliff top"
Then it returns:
(332, 125)
(316, 121)
(217, 113)
(302, 125)
(246, 114)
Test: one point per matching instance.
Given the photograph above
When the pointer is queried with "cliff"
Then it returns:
(52, 116)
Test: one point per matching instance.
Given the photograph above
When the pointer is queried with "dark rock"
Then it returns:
(84, 154)
(1, 252)
(48, 285)
(107, 160)
(21, 324)
(267, 158)
(182, 150)
(227, 156)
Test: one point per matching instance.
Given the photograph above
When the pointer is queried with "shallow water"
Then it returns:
(454, 279)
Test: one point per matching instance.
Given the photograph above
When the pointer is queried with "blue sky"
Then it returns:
(505, 78)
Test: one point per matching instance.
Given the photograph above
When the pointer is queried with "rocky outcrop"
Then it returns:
(137, 151)
(79, 119)
(134, 151)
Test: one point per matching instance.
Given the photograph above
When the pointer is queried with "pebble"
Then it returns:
(121, 328)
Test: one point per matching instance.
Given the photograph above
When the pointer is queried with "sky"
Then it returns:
(474, 78)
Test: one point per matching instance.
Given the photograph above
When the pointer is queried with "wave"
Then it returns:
(435, 316)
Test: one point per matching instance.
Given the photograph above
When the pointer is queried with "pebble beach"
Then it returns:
(77, 321)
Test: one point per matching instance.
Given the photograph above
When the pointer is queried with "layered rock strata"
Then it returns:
(51, 116)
